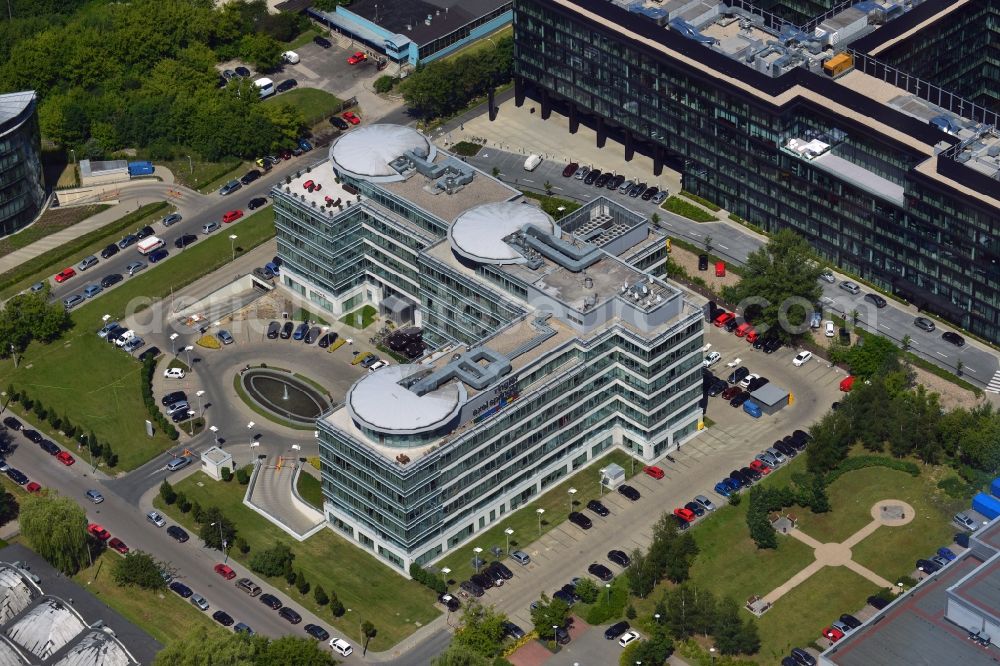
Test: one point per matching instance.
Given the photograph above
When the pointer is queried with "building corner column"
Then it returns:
(518, 91)
(546, 104)
(602, 132)
(629, 146)
(574, 119)
(657, 161)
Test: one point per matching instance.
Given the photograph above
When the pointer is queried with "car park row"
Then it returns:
(613, 182)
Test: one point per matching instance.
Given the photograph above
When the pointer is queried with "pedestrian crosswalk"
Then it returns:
(994, 385)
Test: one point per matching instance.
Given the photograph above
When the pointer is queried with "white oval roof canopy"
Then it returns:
(478, 233)
(378, 401)
(367, 151)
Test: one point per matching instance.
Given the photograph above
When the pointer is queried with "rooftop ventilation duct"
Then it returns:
(567, 255)
(468, 369)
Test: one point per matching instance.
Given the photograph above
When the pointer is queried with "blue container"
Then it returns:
(987, 505)
(995, 487)
(752, 408)
(140, 168)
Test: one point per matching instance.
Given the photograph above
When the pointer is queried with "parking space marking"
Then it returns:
(941, 355)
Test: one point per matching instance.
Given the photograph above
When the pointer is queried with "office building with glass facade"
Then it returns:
(548, 345)
(22, 189)
(888, 175)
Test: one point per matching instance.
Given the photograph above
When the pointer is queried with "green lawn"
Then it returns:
(202, 175)
(369, 589)
(163, 614)
(303, 39)
(689, 210)
(367, 314)
(51, 221)
(524, 521)
(798, 617)
(95, 384)
(301, 314)
(43, 266)
(315, 105)
(483, 43)
(310, 490)
(552, 205)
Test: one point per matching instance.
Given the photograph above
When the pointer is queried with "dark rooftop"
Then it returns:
(446, 15)
(138, 642)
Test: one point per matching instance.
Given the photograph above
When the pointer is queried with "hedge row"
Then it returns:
(860, 462)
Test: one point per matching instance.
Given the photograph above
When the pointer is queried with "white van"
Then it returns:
(147, 245)
(266, 87)
(290, 57)
(532, 162)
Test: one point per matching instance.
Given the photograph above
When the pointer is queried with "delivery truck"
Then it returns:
(147, 245)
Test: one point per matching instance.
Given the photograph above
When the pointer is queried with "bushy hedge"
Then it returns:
(148, 368)
(425, 577)
(860, 462)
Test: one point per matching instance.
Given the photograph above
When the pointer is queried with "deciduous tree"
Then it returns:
(481, 630)
(139, 569)
(56, 528)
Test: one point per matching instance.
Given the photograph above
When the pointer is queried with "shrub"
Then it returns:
(227, 474)
(383, 84)
(336, 607)
(55, 421)
(704, 202)
(955, 487)
(197, 512)
(319, 594)
(466, 148)
(242, 545)
(243, 475)
(290, 575)
(209, 341)
(301, 584)
(425, 577)
(273, 561)
(167, 493)
(861, 462)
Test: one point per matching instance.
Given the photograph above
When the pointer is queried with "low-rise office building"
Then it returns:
(548, 345)
(804, 126)
(22, 187)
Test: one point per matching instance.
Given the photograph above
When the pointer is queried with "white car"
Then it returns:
(155, 518)
(341, 647)
(174, 373)
(376, 365)
(829, 329)
(711, 359)
(745, 384)
(802, 358)
(628, 637)
(124, 337)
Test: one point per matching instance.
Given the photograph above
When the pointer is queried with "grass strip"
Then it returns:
(678, 206)
(704, 202)
(552, 205)
(51, 221)
(310, 489)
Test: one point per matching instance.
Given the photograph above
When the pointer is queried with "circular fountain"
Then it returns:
(284, 395)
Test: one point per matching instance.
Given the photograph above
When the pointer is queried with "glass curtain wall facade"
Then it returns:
(937, 247)
(22, 189)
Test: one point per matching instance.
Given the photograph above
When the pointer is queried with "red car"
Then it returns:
(833, 634)
(847, 383)
(99, 531)
(285, 154)
(225, 571)
(232, 216)
(731, 392)
(724, 319)
(752, 336)
(654, 471)
(758, 466)
(350, 117)
(65, 458)
(309, 183)
(743, 329)
(65, 274)
(33, 487)
(570, 169)
(358, 56)
(119, 545)
(687, 515)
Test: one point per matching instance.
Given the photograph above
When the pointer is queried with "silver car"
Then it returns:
(850, 287)
(705, 502)
(767, 459)
(173, 218)
(230, 187)
(199, 601)
(777, 455)
(86, 263)
(520, 557)
(135, 267)
(73, 301)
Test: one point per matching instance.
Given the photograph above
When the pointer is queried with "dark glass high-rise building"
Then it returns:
(22, 192)
(887, 175)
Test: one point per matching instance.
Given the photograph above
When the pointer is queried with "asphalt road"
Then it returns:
(980, 366)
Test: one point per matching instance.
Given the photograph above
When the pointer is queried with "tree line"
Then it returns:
(142, 74)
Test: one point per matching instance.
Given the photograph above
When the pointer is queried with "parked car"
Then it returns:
(738, 375)
(520, 557)
(619, 557)
(199, 601)
(182, 590)
(223, 618)
(118, 545)
(832, 634)
(172, 219)
(174, 373)
(876, 602)
(499, 568)
(64, 274)
(98, 532)
(285, 85)
(128, 239)
(230, 187)
(313, 335)
(72, 301)
(471, 588)
(341, 647)
(65, 458)
(111, 280)
(927, 566)
(570, 169)
(225, 337)
(290, 615)
(512, 630)
(339, 123)
(110, 251)
(653, 471)
(850, 287)
(953, 338)
(350, 117)
(711, 359)
(600, 571)
(723, 489)
(705, 502)
(876, 300)
(629, 492)
(158, 255)
(317, 632)
(724, 319)
(155, 518)
(695, 508)
(135, 267)
(257, 202)
(184, 240)
(270, 601)
(616, 630)
(232, 216)
(357, 57)
(250, 176)
(598, 508)
(851, 621)
(801, 358)
(947, 553)
(687, 515)
(580, 520)
(924, 324)
(628, 637)
(286, 330)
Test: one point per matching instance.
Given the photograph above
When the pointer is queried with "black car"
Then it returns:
(649, 193)
(449, 602)
(180, 415)
(603, 180)
(695, 508)
(485, 582)
(785, 449)
(152, 352)
(953, 338)
(512, 630)
(270, 601)
(223, 618)
(472, 588)
(110, 251)
(185, 240)
(592, 176)
(600, 571)
(637, 190)
(181, 589)
(750, 473)
(178, 534)
(772, 345)
(926, 566)
(12, 423)
(680, 522)
(114, 333)
(757, 383)
(616, 182)
(717, 387)
(312, 335)
(250, 176)
(739, 477)
(877, 300)
(327, 339)
(173, 397)
(732, 324)
(738, 375)
(286, 85)
(759, 342)
(500, 569)
(17, 476)
(273, 329)
(339, 123)
(317, 632)
(598, 508)
(111, 280)
(33, 435)
(565, 596)
(286, 330)
(49, 447)
(616, 630)
(850, 620)
(619, 557)
(803, 658)
(290, 615)
(629, 492)
(257, 202)
(242, 72)
(322, 41)
(145, 232)
(703, 263)
(580, 520)
(130, 239)
(876, 602)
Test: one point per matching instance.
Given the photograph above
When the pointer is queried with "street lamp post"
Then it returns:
(445, 571)
(539, 512)
(508, 532)
(201, 412)
(232, 244)
(250, 426)
(477, 550)
(711, 651)
(191, 423)
(600, 483)
(656, 616)
(222, 542)
(607, 586)
(74, 155)
(555, 628)
(173, 345)
(190, 164)
(572, 491)
(215, 432)
(187, 352)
